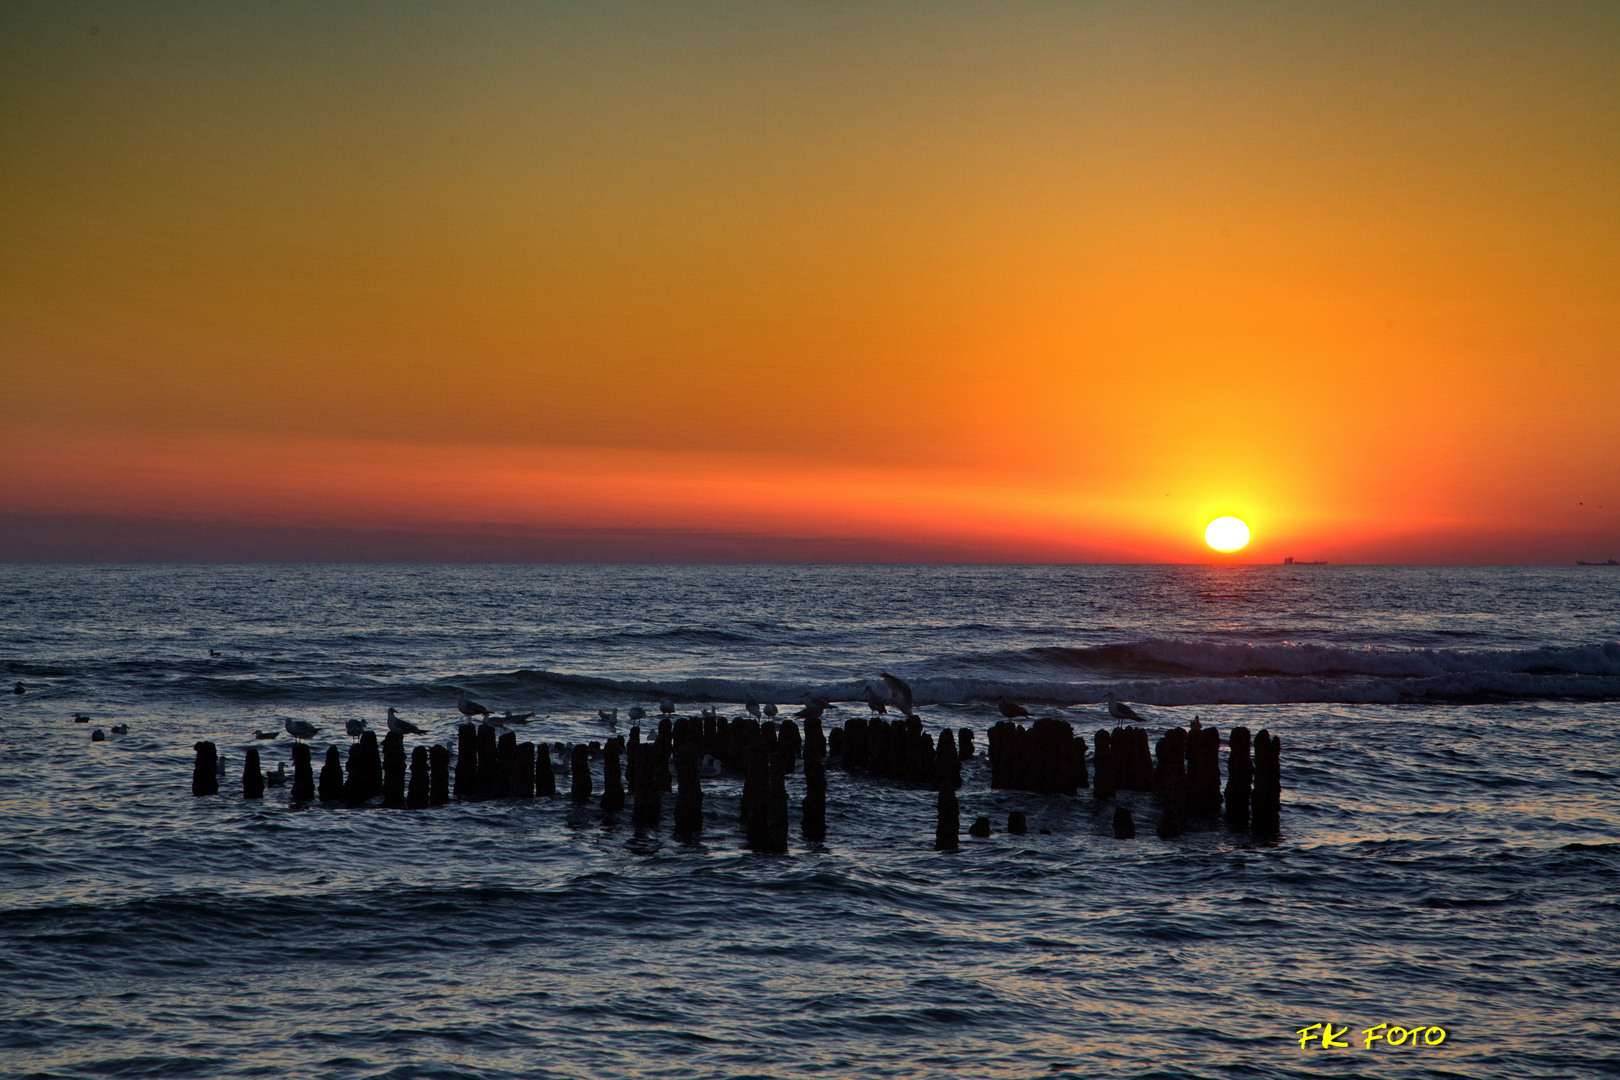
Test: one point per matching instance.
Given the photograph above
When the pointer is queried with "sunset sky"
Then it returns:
(810, 281)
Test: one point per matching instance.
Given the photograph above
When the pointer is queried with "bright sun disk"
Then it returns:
(1226, 534)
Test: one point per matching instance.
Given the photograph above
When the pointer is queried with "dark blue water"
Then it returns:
(1450, 854)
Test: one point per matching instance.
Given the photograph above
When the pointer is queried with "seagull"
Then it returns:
(300, 729)
(875, 703)
(265, 734)
(277, 778)
(813, 708)
(711, 713)
(710, 766)
(81, 718)
(469, 708)
(1009, 709)
(610, 718)
(510, 717)
(1121, 711)
(355, 728)
(120, 729)
(899, 692)
(636, 712)
(752, 705)
(213, 652)
(666, 706)
(19, 689)
(400, 727)
(770, 711)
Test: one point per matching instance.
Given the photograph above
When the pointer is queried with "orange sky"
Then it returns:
(1009, 282)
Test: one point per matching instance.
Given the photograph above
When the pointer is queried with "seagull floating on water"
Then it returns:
(265, 734)
(1121, 711)
(899, 692)
(608, 717)
(510, 717)
(710, 766)
(355, 728)
(277, 778)
(301, 729)
(1011, 710)
(636, 712)
(81, 718)
(401, 727)
(120, 729)
(19, 689)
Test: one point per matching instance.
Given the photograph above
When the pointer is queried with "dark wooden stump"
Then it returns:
(612, 784)
(488, 764)
(545, 780)
(980, 827)
(393, 763)
(1239, 778)
(252, 775)
(582, 775)
(303, 785)
(964, 744)
(505, 764)
(789, 744)
(205, 770)
(1266, 807)
(438, 775)
(1017, 823)
(331, 789)
(948, 833)
(1204, 772)
(648, 810)
(756, 778)
(1103, 765)
(418, 794)
(467, 762)
(1124, 824)
(813, 814)
(815, 742)
(523, 771)
(689, 791)
(947, 762)
(857, 748)
(776, 804)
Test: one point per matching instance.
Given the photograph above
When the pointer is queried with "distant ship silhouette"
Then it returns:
(1291, 562)
(1609, 562)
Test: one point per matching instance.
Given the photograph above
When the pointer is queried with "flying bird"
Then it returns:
(899, 692)
(469, 707)
(355, 728)
(301, 729)
(1121, 711)
(1010, 709)
(401, 727)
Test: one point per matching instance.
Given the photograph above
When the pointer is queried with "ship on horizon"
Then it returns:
(1291, 561)
(1607, 562)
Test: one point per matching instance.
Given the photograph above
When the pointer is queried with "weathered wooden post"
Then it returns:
(1170, 782)
(776, 804)
(789, 745)
(331, 789)
(523, 771)
(649, 805)
(582, 774)
(948, 832)
(303, 787)
(1124, 824)
(1266, 806)
(1239, 778)
(666, 750)
(815, 742)
(612, 785)
(393, 792)
(1017, 823)
(689, 791)
(964, 742)
(505, 764)
(1103, 766)
(813, 814)
(467, 762)
(545, 780)
(857, 748)
(1204, 771)
(438, 775)
(252, 775)
(205, 770)
(488, 762)
(947, 762)
(417, 796)
(756, 777)
(980, 827)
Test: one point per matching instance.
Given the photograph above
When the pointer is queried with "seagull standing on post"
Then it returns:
(1121, 711)
(899, 692)
(401, 727)
(752, 705)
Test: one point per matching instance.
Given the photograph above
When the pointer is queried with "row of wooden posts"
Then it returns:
(1045, 758)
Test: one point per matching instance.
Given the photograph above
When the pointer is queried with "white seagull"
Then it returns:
(710, 767)
(770, 711)
(469, 707)
(636, 712)
(666, 706)
(355, 728)
(752, 705)
(899, 692)
(301, 729)
(1121, 711)
(607, 717)
(401, 727)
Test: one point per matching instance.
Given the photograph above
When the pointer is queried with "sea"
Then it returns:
(1448, 864)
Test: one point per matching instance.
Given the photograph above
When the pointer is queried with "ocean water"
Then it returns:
(1449, 856)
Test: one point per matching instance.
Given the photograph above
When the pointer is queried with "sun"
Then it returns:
(1226, 534)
